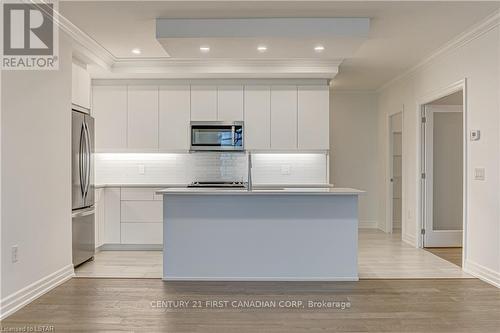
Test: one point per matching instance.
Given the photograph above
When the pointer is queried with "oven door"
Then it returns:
(218, 136)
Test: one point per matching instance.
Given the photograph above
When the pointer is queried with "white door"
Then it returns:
(142, 129)
(230, 103)
(109, 107)
(284, 117)
(443, 176)
(203, 103)
(313, 117)
(257, 117)
(174, 117)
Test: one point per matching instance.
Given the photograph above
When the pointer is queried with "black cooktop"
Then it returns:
(217, 184)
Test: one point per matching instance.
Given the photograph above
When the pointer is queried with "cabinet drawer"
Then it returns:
(138, 194)
(142, 211)
(142, 233)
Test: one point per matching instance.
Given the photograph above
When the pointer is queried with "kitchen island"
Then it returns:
(290, 234)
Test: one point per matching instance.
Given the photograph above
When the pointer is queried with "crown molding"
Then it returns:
(461, 40)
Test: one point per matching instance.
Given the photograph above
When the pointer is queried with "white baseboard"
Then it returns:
(409, 239)
(131, 247)
(483, 273)
(368, 224)
(17, 300)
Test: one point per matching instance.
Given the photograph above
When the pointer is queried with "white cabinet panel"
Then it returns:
(110, 112)
(138, 194)
(142, 211)
(257, 117)
(283, 117)
(112, 216)
(100, 217)
(230, 103)
(203, 103)
(142, 233)
(80, 88)
(174, 117)
(142, 130)
(313, 117)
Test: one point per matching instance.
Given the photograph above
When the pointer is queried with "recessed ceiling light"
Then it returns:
(136, 51)
(319, 48)
(205, 49)
(262, 48)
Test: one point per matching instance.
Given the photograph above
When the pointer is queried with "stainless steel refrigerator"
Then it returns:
(82, 162)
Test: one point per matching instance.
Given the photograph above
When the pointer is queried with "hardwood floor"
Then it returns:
(451, 254)
(381, 255)
(125, 305)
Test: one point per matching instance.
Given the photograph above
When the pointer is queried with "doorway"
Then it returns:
(443, 176)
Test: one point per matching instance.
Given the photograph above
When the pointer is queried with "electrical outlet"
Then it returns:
(409, 214)
(142, 169)
(285, 169)
(15, 254)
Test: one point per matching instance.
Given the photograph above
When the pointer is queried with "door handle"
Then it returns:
(80, 162)
(87, 156)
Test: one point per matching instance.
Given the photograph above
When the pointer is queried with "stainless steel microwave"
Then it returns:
(217, 136)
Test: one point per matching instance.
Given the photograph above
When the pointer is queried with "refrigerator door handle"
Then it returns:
(80, 162)
(87, 159)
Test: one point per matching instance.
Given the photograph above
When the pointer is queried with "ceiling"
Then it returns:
(401, 33)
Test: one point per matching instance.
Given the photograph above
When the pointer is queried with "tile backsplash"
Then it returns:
(183, 168)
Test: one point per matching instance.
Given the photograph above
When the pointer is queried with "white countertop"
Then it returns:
(174, 185)
(257, 191)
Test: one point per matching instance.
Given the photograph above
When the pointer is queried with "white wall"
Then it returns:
(36, 178)
(353, 149)
(478, 61)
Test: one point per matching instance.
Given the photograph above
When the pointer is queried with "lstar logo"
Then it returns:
(29, 36)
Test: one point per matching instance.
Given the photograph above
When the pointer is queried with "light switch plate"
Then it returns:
(479, 174)
(475, 135)
(285, 169)
(142, 169)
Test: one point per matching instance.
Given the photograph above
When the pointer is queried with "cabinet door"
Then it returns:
(230, 103)
(110, 112)
(142, 117)
(112, 216)
(313, 117)
(100, 217)
(284, 117)
(203, 103)
(257, 117)
(175, 104)
(142, 233)
(80, 89)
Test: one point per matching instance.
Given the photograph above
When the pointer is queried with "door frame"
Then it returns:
(389, 200)
(460, 85)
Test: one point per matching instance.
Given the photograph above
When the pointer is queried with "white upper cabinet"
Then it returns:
(80, 88)
(230, 103)
(203, 103)
(313, 117)
(175, 105)
(142, 130)
(257, 117)
(109, 107)
(283, 117)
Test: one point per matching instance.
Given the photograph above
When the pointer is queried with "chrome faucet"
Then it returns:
(249, 184)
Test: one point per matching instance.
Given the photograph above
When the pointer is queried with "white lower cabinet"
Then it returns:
(142, 233)
(112, 216)
(132, 216)
(100, 217)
